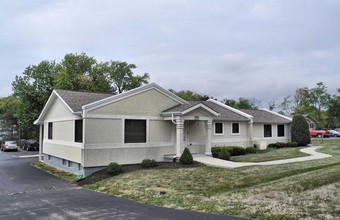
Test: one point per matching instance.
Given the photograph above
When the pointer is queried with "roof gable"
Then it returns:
(71, 99)
(127, 94)
(187, 108)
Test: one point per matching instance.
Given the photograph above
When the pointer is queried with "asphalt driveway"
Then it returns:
(29, 193)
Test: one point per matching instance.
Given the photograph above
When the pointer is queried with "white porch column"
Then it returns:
(179, 136)
(208, 140)
(40, 141)
(251, 132)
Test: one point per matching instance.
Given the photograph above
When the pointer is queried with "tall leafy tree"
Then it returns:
(8, 121)
(242, 103)
(32, 89)
(77, 72)
(190, 95)
(333, 112)
(122, 77)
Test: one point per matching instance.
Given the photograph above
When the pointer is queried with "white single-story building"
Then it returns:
(83, 132)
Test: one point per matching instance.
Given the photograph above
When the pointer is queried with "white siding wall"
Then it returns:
(62, 144)
(229, 139)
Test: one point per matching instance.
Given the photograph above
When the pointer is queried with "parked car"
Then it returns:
(9, 145)
(30, 144)
(334, 133)
(319, 133)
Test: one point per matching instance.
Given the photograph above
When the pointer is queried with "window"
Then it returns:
(235, 128)
(267, 130)
(218, 128)
(135, 131)
(63, 161)
(78, 131)
(280, 130)
(50, 130)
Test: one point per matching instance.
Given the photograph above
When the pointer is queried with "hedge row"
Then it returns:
(282, 145)
(232, 150)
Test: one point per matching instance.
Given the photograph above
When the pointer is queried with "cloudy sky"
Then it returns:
(227, 49)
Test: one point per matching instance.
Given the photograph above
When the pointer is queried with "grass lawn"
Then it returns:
(303, 190)
(56, 172)
(271, 154)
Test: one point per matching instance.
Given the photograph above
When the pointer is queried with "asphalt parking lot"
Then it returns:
(29, 193)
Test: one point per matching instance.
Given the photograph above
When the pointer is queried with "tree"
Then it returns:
(32, 90)
(242, 103)
(300, 131)
(333, 112)
(318, 98)
(121, 76)
(8, 121)
(190, 95)
(77, 72)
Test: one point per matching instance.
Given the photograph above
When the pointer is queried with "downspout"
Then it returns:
(172, 118)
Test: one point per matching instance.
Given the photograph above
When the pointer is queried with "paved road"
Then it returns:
(28, 193)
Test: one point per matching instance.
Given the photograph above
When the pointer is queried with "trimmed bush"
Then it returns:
(233, 150)
(292, 144)
(251, 150)
(215, 151)
(300, 131)
(277, 145)
(224, 154)
(114, 169)
(186, 157)
(236, 150)
(148, 163)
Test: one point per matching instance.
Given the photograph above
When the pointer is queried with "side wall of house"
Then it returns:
(61, 151)
(262, 142)
(227, 138)
(105, 127)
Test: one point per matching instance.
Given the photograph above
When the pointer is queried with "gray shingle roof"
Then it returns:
(261, 116)
(75, 100)
(225, 114)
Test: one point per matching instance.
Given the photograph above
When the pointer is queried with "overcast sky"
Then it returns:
(225, 49)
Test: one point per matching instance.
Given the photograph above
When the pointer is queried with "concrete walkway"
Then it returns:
(208, 160)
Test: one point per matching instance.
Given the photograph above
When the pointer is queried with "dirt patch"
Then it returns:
(101, 175)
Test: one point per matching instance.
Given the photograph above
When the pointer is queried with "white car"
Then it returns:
(9, 145)
(334, 133)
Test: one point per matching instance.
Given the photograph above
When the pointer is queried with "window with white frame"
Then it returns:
(218, 128)
(50, 130)
(235, 128)
(267, 130)
(280, 130)
(135, 131)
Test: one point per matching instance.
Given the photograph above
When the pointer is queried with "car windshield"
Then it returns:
(10, 142)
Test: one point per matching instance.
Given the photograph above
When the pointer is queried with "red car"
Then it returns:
(319, 133)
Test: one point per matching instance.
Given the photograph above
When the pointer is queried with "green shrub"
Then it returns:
(250, 150)
(236, 150)
(300, 131)
(148, 163)
(292, 144)
(277, 145)
(186, 157)
(224, 154)
(233, 150)
(114, 169)
(215, 151)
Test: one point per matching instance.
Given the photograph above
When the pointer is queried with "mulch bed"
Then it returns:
(101, 175)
